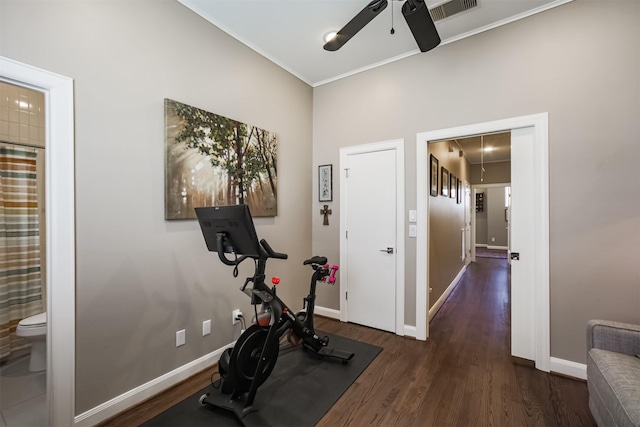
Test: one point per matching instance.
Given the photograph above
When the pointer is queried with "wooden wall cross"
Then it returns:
(326, 212)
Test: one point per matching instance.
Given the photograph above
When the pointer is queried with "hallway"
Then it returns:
(463, 375)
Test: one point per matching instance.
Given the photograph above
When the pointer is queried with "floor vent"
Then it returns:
(451, 8)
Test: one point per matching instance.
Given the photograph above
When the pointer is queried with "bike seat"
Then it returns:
(316, 260)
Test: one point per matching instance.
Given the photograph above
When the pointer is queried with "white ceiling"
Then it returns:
(290, 32)
(473, 148)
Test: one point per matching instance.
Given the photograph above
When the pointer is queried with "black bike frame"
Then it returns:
(284, 318)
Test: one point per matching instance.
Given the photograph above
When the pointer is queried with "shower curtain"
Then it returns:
(20, 281)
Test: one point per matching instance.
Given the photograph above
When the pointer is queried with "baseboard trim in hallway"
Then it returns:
(436, 306)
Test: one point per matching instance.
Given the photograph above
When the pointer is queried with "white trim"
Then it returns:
(139, 394)
(569, 368)
(539, 122)
(504, 248)
(327, 312)
(60, 241)
(367, 67)
(398, 146)
(409, 331)
(422, 240)
(481, 245)
(438, 304)
(193, 5)
(498, 185)
(444, 42)
(506, 21)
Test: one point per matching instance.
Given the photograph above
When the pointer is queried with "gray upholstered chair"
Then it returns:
(613, 372)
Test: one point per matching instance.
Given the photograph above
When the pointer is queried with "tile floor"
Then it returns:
(22, 395)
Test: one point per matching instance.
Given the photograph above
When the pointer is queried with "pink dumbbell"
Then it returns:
(332, 277)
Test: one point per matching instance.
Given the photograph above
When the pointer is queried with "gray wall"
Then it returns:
(496, 224)
(141, 278)
(446, 219)
(494, 173)
(580, 63)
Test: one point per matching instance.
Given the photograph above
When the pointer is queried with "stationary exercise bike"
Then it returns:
(245, 367)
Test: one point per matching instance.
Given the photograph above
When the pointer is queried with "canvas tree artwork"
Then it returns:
(212, 160)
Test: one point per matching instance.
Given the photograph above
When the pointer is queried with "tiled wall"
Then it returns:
(22, 121)
(22, 116)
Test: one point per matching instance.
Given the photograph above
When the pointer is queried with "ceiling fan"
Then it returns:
(415, 12)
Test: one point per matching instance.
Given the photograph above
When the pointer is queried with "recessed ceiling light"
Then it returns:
(330, 36)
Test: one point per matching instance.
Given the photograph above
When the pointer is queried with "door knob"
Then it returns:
(388, 250)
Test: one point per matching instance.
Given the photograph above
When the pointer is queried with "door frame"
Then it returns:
(469, 208)
(540, 124)
(60, 241)
(474, 190)
(398, 146)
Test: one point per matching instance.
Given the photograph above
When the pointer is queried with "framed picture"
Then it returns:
(444, 185)
(433, 183)
(453, 190)
(459, 198)
(213, 160)
(325, 183)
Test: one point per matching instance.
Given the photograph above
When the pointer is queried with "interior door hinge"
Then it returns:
(346, 234)
(346, 172)
(346, 295)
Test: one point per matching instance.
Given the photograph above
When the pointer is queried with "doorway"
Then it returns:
(60, 232)
(532, 135)
(22, 253)
(372, 235)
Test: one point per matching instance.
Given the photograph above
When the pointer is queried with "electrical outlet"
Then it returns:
(206, 327)
(235, 316)
(180, 338)
(493, 239)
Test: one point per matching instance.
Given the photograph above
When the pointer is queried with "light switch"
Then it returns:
(413, 216)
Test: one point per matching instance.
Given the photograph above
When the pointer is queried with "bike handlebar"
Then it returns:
(271, 252)
(220, 245)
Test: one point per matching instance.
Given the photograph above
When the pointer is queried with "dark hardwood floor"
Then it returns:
(463, 375)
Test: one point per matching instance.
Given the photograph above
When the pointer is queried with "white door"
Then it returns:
(370, 243)
(522, 235)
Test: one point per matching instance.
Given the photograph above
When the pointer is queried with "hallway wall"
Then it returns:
(446, 219)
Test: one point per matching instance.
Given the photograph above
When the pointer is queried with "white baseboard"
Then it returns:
(567, 367)
(502, 248)
(434, 309)
(137, 395)
(327, 312)
(410, 331)
(481, 245)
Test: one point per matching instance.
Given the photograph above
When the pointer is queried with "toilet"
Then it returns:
(34, 329)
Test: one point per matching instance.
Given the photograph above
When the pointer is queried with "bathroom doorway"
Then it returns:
(22, 251)
(60, 230)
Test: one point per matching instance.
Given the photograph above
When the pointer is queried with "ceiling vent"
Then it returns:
(450, 8)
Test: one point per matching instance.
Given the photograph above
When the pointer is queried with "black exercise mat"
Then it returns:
(299, 391)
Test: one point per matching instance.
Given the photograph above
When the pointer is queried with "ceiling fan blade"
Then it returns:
(421, 24)
(358, 22)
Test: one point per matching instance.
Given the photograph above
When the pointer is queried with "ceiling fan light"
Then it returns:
(330, 36)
